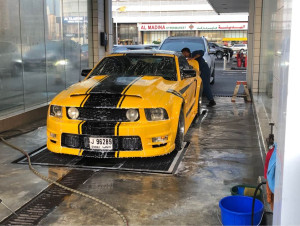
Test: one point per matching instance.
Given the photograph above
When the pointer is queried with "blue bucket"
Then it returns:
(236, 210)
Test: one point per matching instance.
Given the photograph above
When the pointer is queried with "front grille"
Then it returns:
(120, 143)
(103, 114)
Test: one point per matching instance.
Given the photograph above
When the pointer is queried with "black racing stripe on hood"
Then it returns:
(108, 92)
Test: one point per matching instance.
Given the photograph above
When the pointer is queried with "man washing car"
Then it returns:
(205, 73)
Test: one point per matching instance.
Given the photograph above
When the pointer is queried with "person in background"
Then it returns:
(205, 73)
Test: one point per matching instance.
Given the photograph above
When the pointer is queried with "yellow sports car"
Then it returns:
(133, 104)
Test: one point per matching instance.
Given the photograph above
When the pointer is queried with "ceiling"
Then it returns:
(230, 6)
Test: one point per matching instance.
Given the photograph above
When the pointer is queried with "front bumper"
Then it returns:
(131, 139)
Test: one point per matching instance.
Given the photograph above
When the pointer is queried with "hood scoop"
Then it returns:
(105, 93)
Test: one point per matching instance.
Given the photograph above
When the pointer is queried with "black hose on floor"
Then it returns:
(62, 186)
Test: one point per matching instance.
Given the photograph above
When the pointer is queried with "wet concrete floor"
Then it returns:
(223, 152)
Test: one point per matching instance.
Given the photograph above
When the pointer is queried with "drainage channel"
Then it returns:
(40, 206)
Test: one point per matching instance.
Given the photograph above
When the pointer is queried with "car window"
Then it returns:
(183, 64)
(133, 65)
(179, 44)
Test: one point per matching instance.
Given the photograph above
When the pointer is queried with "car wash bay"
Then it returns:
(222, 151)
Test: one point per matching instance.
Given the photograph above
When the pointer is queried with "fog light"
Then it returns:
(159, 139)
(53, 135)
(132, 114)
(73, 113)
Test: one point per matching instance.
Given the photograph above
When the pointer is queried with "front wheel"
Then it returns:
(219, 55)
(180, 133)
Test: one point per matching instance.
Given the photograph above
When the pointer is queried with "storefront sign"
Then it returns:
(75, 19)
(193, 26)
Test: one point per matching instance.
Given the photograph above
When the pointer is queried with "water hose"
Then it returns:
(64, 187)
(253, 202)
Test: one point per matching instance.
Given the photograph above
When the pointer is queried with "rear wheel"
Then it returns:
(200, 101)
(219, 55)
(180, 132)
(212, 78)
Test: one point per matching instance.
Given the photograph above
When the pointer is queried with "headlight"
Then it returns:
(61, 63)
(73, 113)
(132, 114)
(156, 114)
(56, 111)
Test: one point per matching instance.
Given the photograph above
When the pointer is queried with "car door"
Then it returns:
(188, 89)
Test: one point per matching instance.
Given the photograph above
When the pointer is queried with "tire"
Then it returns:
(200, 101)
(213, 76)
(219, 55)
(180, 132)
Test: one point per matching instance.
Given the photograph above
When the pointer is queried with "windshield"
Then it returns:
(126, 66)
(179, 44)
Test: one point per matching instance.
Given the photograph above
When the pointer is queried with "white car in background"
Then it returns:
(239, 47)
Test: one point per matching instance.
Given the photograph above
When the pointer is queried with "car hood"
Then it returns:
(138, 91)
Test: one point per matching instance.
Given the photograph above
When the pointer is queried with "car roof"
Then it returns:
(150, 52)
(185, 37)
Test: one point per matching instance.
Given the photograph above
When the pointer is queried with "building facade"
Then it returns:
(150, 22)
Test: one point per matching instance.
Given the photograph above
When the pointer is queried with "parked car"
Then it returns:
(194, 44)
(219, 51)
(239, 47)
(10, 59)
(138, 104)
(122, 48)
(58, 54)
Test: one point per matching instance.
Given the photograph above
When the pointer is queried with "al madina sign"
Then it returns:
(192, 26)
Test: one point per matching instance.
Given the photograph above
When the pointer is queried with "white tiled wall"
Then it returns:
(280, 66)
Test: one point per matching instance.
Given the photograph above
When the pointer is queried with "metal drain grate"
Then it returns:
(160, 164)
(40, 206)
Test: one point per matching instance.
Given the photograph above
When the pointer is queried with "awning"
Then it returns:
(233, 39)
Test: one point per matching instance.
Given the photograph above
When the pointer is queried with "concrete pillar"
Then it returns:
(101, 27)
(196, 33)
(100, 20)
(109, 26)
(169, 33)
(90, 33)
(140, 37)
(254, 33)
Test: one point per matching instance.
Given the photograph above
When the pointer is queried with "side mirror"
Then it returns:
(85, 72)
(189, 73)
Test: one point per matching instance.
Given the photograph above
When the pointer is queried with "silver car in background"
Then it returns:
(194, 44)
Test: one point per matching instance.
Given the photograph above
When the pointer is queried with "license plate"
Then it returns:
(101, 143)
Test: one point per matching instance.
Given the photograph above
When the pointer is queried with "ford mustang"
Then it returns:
(133, 104)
